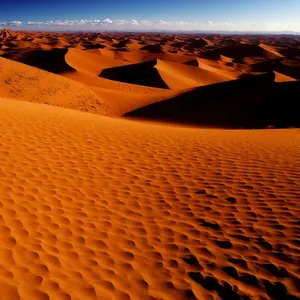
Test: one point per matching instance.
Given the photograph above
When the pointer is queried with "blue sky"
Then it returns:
(156, 14)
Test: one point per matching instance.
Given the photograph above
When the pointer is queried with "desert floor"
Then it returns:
(138, 166)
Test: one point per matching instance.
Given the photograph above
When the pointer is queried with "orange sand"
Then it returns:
(94, 207)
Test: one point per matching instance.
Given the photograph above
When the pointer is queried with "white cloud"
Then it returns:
(134, 22)
(162, 22)
(108, 21)
(12, 23)
(147, 25)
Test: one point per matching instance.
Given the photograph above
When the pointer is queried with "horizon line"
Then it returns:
(157, 31)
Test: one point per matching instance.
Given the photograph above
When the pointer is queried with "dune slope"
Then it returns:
(180, 76)
(49, 60)
(251, 102)
(89, 62)
(98, 208)
(22, 82)
(141, 73)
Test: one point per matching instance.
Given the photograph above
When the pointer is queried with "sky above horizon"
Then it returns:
(139, 15)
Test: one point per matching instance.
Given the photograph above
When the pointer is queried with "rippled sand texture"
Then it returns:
(99, 208)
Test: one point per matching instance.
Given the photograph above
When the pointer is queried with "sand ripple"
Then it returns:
(97, 208)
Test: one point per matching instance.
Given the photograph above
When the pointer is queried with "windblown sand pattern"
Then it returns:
(94, 207)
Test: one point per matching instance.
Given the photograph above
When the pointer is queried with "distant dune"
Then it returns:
(137, 73)
(5, 33)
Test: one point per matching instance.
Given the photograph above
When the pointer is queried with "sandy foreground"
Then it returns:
(95, 207)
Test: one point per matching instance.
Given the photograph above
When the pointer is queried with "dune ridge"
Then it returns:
(250, 102)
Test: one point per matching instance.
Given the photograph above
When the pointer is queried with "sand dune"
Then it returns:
(252, 102)
(75, 90)
(122, 64)
(96, 208)
(19, 81)
(88, 62)
(195, 44)
(121, 97)
(102, 198)
(149, 74)
(270, 49)
(5, 33)
(181, 76)
(122, 43)
(155, 48)
(283, 78)
(136, 56)
(240, 51)
(277, 66)
(49, 60)
(163, 74)
(94, 81)
(225, 66)
(141, 73)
